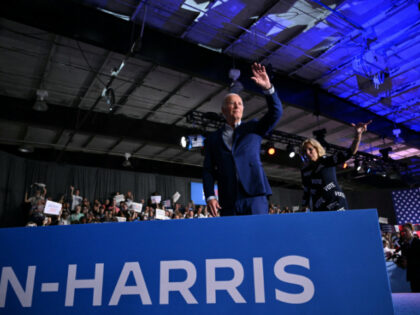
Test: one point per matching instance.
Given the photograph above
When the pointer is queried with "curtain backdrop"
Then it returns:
(17, 174)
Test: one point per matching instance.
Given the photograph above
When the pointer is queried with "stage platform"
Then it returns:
(406, 303)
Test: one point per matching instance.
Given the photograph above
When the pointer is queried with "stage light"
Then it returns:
(291, 151)
(127, 162)
(40, 103)
(270, 149)
(26, 149)
(183, 142)
(192, 141)
(357, 165)
(345, 165)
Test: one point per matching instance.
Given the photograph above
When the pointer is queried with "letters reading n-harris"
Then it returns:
(24, 288)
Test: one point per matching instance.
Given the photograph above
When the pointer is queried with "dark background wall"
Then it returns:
(17, 174)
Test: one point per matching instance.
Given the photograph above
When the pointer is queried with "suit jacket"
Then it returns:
(243, 163)
(412, 253)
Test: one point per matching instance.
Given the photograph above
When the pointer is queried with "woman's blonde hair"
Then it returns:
(318, 147)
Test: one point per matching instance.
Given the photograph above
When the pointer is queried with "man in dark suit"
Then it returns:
(411, 253)
(232, 155)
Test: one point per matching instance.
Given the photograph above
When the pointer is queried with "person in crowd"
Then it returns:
(85, 210)
(320, 186)
(75, 197)
(123, 206)
(113, 207)
(33, 200)
(65, 207)
(388, 252)
(151, 214)
(411, 252)
(189, 214)
(129, 199)
(75, 217)
(64, 218)
(36, 213)
(86, 203)
(206, 213)
(82, 220)
(47, 221)
(199, 212)
(232, 155)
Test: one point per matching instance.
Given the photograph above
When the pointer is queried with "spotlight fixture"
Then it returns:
(40, 103)
(271, 150)
(192, 141)
(26, 148)
(183, 142)
(291, 151)
(345, 165)
(367, 167)
(357, 165)
(397, 133)
(127, 162)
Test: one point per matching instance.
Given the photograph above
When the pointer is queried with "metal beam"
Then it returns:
(112, 147)
(269, 7)
(138, 81)
(168, 97)
(88, 84)
(206, 100)
(136, 150)
(47, 63)
(311, 126)
(291, 119)
(20, 111)
(23, 133)
(58, 137)
(88, 140)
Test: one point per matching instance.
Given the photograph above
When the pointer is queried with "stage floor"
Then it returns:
(406, 303)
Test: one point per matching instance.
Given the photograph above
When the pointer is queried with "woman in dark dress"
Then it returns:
(321, 191)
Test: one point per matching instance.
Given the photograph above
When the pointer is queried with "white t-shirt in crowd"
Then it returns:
(76, 200)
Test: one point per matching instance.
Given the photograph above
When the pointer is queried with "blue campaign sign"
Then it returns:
(303, 263)
(197, 193)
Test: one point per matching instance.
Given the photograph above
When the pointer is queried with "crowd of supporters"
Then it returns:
(403, 248)
(79, 210)
(395, 242)
(398, 246)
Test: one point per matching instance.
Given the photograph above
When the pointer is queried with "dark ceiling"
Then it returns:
(332, 62)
